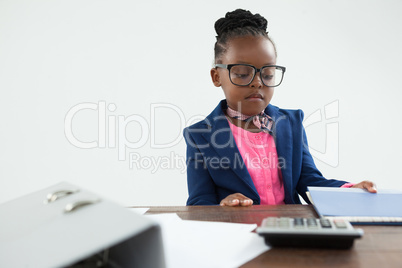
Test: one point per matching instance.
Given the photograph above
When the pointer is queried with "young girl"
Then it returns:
(248, 151)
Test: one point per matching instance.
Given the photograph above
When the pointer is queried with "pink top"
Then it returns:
(259, 154)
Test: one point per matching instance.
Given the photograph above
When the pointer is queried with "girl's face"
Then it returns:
(254, 50)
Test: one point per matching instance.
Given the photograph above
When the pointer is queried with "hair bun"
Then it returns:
(238, 19)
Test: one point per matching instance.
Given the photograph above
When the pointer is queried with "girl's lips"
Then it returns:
(255, 97)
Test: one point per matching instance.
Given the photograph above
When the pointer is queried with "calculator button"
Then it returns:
(284, 222)
(312, 223)
(340, 224)
(270, 222)
(298, 222)
(325, 223)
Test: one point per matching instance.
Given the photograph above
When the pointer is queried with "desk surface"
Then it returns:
(381, 246)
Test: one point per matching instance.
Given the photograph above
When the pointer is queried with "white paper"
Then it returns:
(140, 211)
(224, 226)
(207, 244)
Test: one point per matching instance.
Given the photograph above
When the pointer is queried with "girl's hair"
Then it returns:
(238, 23)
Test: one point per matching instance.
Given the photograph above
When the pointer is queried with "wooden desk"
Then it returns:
(381, 246)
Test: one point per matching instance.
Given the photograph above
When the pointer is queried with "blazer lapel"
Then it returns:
(222, 141)
(284, 143)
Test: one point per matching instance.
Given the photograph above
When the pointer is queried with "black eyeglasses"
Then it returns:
(243, 74)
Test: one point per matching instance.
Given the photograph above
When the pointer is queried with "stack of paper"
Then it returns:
(358, 205)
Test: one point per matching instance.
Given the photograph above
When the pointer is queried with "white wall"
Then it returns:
(55, 55)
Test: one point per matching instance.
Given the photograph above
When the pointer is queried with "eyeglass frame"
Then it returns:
(256, 70)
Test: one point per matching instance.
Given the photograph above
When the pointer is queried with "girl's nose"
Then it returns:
(257, 83)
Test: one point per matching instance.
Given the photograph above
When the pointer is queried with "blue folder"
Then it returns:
(357, 205)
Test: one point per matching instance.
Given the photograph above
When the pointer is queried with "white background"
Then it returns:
(55, 55)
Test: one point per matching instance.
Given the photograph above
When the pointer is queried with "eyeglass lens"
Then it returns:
(243, 75)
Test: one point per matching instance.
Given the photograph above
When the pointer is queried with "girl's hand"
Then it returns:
(236, 200)
(367, 185)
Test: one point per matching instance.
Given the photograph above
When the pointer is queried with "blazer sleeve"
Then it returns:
(310, 175)
(201, 187)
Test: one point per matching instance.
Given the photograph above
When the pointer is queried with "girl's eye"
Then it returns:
(267, 77)
(242, 76)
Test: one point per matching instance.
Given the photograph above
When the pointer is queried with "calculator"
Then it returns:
(308, 232)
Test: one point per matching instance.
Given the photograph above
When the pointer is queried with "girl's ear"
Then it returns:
(215, 77)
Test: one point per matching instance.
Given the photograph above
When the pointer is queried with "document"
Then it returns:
(207, 244)
(358, 204)
(140, 211)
